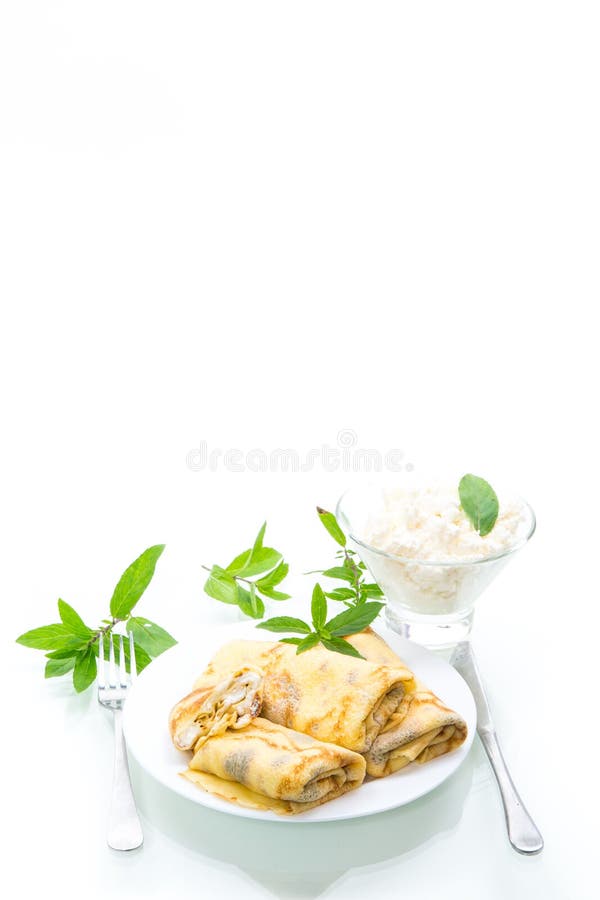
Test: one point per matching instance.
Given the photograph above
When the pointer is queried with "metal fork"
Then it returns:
(124, 829)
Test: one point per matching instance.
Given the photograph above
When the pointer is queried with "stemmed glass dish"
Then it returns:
(430, 601)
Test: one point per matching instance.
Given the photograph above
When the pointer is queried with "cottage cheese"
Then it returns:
(429, 524)
(442, 564)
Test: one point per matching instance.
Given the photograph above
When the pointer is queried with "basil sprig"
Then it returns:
(237, 583)
(71, 646)
(479, 502)
(328, 633)
(350, 568)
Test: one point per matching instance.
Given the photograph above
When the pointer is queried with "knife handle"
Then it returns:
(522, 831)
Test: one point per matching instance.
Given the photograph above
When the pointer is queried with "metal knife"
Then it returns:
(522, 831)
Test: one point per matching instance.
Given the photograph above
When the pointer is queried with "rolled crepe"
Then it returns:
(329, 696)
(232, 703)
(421, 727)
(267, 766)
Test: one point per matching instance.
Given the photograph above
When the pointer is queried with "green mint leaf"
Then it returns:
(220, 585)
(257, 560)
(134, 581)
(250, 604)
(285, 623)
(272, 594)
(151, 637)
(318, 607)
(56, 667)
(371, 590)
(355, 619)
(84, 672)
(311, 640)
(273, 578)
(479, 502)
(52, 637)
(264, 559)
(341, 572)
(351, 566)
(341, 594)
(142, 658)
(73, 620)
(330, 523)
(254, 562)
(62, 654)
(339, 646)
(254, 601)
(240, 562)
(259, 538)
(290, 641)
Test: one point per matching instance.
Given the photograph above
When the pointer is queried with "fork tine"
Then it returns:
(101, 681)
(122, 664)
(112, 673)
(132, 662)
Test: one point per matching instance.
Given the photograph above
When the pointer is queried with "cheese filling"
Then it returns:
(233, 703)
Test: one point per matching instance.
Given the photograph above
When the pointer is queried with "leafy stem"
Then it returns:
(351, 565)
(234, 584)
(102, 631)
(253, 574)
(236, 577)
(71, 646)
(353, 572)
(329, 633)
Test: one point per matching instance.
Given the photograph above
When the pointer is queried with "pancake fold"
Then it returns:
(421, 728)
(330, 696)
(270, 767)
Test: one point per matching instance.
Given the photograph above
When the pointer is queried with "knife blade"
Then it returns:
(523, 833)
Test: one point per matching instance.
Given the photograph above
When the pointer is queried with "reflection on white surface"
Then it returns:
(277, 859)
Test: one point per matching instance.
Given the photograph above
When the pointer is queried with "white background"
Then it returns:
(257, 224)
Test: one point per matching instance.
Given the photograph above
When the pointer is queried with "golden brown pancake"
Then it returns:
(329, 696)
(421, 727)
(268, 766)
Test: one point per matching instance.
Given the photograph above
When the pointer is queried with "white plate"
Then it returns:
(171, 676)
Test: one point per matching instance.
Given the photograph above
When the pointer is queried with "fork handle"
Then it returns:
(124, 829)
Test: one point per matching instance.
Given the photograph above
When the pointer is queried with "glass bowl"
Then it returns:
(428, 601)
